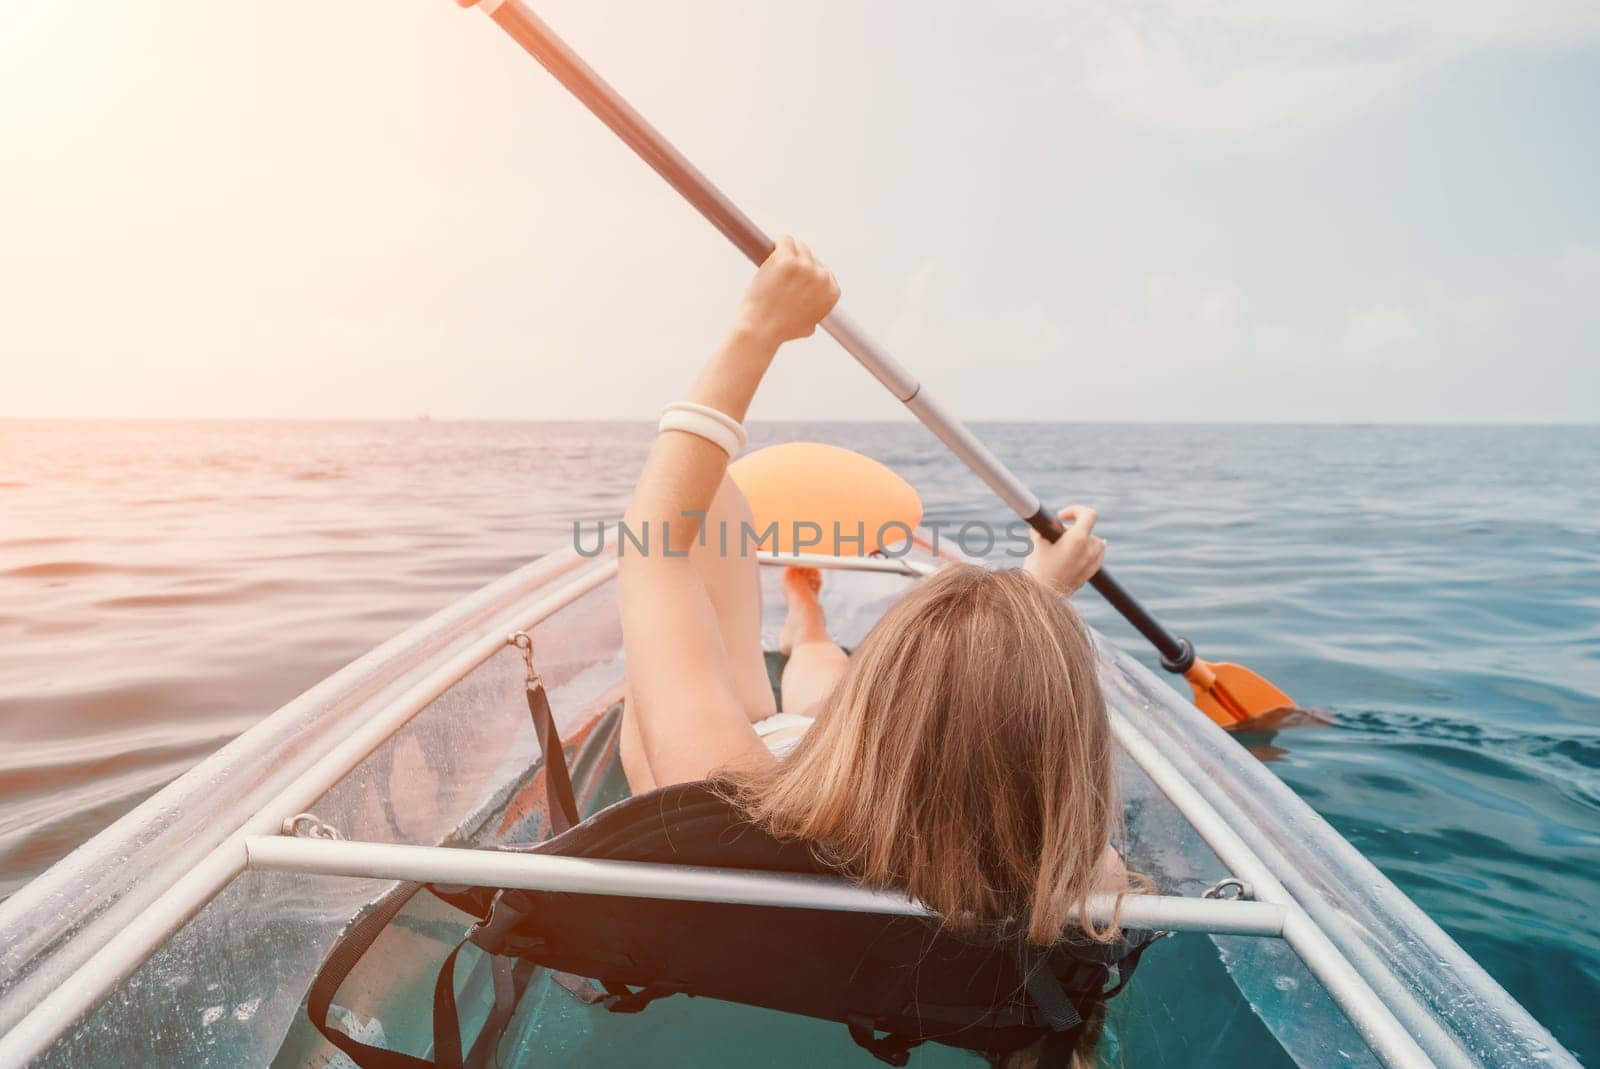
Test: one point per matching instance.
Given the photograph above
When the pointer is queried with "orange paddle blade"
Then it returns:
(1230, 694)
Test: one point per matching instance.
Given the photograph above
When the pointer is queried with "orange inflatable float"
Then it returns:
(821, 499)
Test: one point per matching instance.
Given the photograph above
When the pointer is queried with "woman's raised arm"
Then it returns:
(684, 702)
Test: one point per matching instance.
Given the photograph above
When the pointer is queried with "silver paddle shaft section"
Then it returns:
(568, 68)
(541, 42)
(949, 430)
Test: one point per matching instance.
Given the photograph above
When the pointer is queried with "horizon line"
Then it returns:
(907, 421)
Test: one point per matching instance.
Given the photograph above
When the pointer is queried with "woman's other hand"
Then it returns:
(789, 296)
(1066, 564)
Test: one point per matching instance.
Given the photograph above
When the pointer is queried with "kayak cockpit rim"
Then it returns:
(258, 845)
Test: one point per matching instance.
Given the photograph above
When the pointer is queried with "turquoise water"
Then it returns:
(1182, 1008)
(1435, 590)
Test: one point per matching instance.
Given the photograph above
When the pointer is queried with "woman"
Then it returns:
(962, 754)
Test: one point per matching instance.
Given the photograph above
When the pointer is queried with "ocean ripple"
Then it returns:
(1436, 591)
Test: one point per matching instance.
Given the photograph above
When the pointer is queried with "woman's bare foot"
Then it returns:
(815, 663)
(805, 622)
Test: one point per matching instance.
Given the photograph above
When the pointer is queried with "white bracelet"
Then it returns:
(706, 410)
(703, 421)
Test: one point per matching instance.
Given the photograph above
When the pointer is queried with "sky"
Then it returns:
(1382, 210)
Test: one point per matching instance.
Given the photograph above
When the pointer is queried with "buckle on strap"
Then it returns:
(1060, 1015)
(494, 934)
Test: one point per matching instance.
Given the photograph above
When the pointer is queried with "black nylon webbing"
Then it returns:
(1059, 1012)
(506, 993)
(346, 953)
(446, 1022)
(1065, 1022)
(1058, 1049)
(563, 805)
(447, 1052)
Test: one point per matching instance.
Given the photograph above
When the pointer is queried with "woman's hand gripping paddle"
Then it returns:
(1227, 693)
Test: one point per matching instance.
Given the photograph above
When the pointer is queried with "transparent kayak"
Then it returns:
(188, 932)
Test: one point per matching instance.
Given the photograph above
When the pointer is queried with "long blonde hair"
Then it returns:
(964, 758)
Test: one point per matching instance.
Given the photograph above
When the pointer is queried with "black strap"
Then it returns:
(1045, 989)
(891, 1048)
(446, 1024)
(1059, 1012)
(446, 1021)
(1058, 1048)
(563, 805)
(346, 953)
(1060, 1015)
(563, 815)
(506, 994)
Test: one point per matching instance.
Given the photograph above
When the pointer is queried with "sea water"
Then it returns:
(1435, 591)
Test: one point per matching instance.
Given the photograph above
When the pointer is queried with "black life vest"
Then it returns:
(894, 981)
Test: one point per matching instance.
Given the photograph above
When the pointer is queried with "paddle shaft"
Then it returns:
(541, 42)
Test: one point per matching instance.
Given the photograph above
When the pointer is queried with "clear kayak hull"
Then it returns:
(155, 943)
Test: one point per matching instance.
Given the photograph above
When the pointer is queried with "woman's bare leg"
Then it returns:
(815, 661)
(631, 747)
(732, 581)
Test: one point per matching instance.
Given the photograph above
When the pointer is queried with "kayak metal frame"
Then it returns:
(1306, 930)
(477, 867)
(1372, 1017)
(123, 952)
(259, 845)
